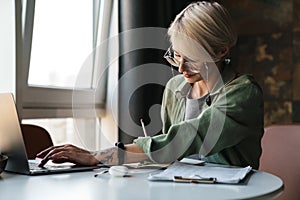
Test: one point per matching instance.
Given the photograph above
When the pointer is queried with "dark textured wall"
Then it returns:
(269, 48)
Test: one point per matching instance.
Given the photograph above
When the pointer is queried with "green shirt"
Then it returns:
(228, 131)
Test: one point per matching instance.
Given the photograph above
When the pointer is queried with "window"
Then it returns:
(7, 47)
(57, 70)
(62, 41)
(79, 132)
(57, 67)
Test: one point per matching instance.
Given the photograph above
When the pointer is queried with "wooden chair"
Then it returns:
(280, 156)
(36, 139)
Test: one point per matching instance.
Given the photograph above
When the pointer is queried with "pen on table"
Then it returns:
(99, 173)
(144, 129)
(194, 180)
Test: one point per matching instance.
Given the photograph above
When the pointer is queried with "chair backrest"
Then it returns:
(281, 157)
(36, 139)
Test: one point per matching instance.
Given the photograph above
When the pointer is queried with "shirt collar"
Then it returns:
(226, 77)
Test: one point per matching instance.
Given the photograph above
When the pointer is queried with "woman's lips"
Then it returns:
(188, 75)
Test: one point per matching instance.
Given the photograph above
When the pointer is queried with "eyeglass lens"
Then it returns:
(169, 56)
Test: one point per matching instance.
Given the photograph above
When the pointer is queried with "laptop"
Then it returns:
(12, 144)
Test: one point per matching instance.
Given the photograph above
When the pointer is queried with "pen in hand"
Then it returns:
(144, 129)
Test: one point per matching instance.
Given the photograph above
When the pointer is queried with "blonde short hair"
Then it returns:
(207, 23)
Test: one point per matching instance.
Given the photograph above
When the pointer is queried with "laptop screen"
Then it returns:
(11, 140)
(12, 143)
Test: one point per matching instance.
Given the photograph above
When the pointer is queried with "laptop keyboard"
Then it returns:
(34, 165)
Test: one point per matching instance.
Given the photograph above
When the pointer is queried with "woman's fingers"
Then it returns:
(47, 154)
(43, 153)
(74, 155)
(68, 153)
(60, 157)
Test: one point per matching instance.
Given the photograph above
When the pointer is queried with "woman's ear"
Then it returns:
(223, 52)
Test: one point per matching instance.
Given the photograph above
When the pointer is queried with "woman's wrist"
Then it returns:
(118, 154)
(94, 153)
(107, 156)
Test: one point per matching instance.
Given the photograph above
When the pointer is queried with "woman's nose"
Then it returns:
(181, 65)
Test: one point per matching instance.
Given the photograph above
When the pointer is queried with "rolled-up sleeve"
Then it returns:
(230, 128)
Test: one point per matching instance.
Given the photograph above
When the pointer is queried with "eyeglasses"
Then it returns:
(170, 57)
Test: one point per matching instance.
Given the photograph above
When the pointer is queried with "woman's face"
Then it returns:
(189, 69)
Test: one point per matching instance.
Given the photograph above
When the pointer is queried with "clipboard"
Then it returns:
(180, 172)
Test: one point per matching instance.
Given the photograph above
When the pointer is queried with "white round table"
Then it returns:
(83, 185)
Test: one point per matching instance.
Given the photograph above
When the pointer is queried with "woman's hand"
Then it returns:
(109, 156)
(67, 153)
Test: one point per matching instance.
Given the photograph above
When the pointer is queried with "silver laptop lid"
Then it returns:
(12, 143)
(11, 139)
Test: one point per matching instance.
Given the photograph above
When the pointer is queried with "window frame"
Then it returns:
(42, 102)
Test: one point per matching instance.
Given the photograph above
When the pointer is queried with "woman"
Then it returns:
(208, 110)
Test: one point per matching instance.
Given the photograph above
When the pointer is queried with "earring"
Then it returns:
(208, 99)
(227, 61)
(206, 67)
(172, 71)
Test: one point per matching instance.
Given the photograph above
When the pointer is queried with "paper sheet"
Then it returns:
(222, 174)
